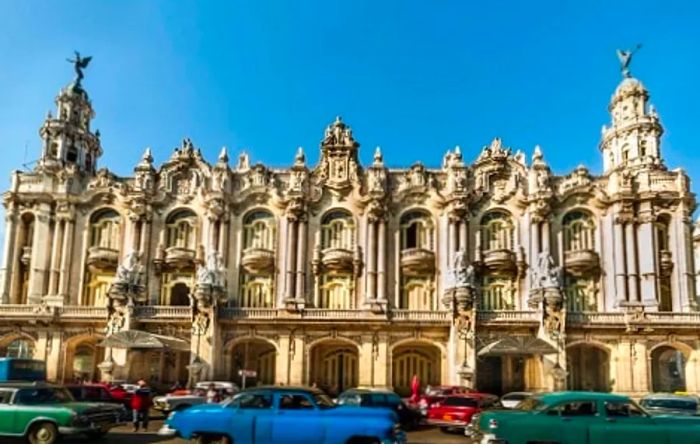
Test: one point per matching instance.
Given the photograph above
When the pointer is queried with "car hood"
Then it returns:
(87, 407)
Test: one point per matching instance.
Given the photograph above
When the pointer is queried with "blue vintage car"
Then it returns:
(284, 415)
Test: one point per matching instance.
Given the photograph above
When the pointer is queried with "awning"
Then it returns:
(137, 339)
(518, 345)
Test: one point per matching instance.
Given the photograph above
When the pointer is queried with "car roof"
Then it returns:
(27, 384)
(284, 389)
(367, 391)
(517, 393)
(670, 396)
(580, 396)
(472, 395)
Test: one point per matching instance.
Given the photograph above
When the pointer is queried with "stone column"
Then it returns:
(647, 263)
(40, 255)
(619, 255)
(290, 255)
(452, 241)
(535, 236)
(545, 236)
(371, 293)
(8, 263)
(66, 259)
(631, 250)
(381, 262)
(463, 235)
(223, 239)
(56, 257)
(300, 292)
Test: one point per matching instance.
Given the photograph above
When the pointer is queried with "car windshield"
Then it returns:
(36, 396)
(350, 399)
(530, 405)
(458, 401)
(436, 391)
(675, 404)
(515, 397)
(323, 401)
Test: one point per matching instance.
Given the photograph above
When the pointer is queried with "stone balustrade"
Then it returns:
(163, 312)
(82, 312)
(507, 316)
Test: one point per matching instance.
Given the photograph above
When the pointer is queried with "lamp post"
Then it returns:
(465, 372)
(558, 372)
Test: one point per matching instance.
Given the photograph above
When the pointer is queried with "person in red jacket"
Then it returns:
(140, 404)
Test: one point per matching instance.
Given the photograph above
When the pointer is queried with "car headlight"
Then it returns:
(171, 416)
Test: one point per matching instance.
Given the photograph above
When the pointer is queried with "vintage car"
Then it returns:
(183, 399)
(670, 404)
(583, 418)
(437, 393)
(409, 417)
(455, 412)
(42, 413)
(284, 415)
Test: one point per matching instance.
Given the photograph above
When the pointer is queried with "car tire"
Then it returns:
(96, 435)
(42, 433)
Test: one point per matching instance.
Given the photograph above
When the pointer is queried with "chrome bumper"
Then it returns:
(167, 431)
(86, 429)
(443, 423)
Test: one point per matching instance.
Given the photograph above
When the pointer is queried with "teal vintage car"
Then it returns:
(583, 418)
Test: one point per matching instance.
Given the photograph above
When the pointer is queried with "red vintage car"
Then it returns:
(437, 393)
(456, 411)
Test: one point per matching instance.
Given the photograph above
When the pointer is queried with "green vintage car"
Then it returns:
(583, 418)
(42, 413)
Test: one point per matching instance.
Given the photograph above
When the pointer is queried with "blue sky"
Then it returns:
(415, 77)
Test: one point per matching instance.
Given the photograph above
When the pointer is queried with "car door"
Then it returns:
(296, 420)
(250, 417)
(626, 422)
(8, 424)
(567, 422)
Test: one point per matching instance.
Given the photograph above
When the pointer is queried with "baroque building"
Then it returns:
(496, 274)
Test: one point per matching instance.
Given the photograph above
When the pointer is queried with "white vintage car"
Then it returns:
(174, 402)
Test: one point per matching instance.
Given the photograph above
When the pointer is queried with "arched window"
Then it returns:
(256, 292)
(416, 293)
(338, 230)
(259, 230)
(96, 289)
(105, 229)
(580, 294)
(497, 293)
(176, 288)
(20, 348)
(72, 154)
(336, 291)
(497, 231)
(662, 240)
(625, 153)
(417, 231)
(579, 231)
(668, 370)
(181, 229)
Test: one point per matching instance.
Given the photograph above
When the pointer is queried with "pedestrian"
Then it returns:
(212, 395)
(140, 404)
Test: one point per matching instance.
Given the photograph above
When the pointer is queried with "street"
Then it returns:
(123, 434)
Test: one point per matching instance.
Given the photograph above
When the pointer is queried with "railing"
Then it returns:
(420, 315)
(507, 316)
(327, 313)
(83, 312)
(247, 313)
(162, 312)
(663, 317)
(589, 317)
(16, 310)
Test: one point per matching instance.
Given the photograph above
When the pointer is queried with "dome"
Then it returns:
(629, 85)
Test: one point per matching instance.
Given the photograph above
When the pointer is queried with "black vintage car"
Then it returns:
(409, 417)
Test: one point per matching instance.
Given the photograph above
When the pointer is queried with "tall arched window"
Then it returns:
(579, 231)
(580, 294)
(181, 230)
(338, 230)
(259, 230)
(19, 348)
(665, 261)
(26, 242)
(105, 229)
(497, 293)
(417, 231)
(497, 231)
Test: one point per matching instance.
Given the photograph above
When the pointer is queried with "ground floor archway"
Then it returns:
(668, 369)
(415, 359)
(82, 358)
(160, 368)
(588, 368)
(17, 346)
(334, 366)
(253, 354)
(500, 374)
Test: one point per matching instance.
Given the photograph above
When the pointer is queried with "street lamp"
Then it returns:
(465, 371)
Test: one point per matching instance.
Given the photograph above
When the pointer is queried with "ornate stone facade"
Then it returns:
(496, 274)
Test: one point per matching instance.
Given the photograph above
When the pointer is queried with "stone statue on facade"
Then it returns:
(460, 285)
(546, 274)
(625, 56)
(213, 272)
(127, 285)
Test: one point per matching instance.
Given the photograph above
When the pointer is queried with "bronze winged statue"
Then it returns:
(625, 57)
(79, 63)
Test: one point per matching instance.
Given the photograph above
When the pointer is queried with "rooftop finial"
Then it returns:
(79, 63)
(378, 158)
(147, 156)
(300, 158)
(625, 56)
(223, 155)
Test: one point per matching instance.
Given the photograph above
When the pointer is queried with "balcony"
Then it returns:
(163, 312)
(337, 259)
(665, 262)
(499, 261)
(258, 260)
(179, 258)
(26, 257)
(423, 316)
(417, 261)
(102, 258)
(508, 317)
(581, 262)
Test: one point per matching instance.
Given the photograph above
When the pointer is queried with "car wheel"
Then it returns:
(204, 439)
(43, 433)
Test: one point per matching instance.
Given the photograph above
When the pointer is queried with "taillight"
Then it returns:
(493, 424)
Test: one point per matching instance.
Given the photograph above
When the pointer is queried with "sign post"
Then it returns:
(245, 374)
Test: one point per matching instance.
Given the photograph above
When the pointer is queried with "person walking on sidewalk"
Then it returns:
(140, 404)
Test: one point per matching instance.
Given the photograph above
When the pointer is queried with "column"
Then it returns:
(630, 240)
(290, 259)
(301, 261)
(647, 263)
(40, 256)
(545, 236)
(452, 246)
(371, 261)
(8, 255)
(66, 259)
(535, 236)
(619, 255)
(56, 257)
(463, 235)
(223, 239)
(381, 262)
